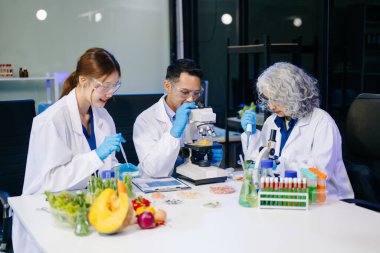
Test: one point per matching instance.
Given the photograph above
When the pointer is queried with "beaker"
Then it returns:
(248, 194)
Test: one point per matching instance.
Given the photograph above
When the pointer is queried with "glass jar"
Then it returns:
(82, 227)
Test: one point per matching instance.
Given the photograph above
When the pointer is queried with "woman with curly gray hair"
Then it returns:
(306, 136)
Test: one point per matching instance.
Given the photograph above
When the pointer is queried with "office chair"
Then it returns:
(363, 153)
(17, 118)
(124, 110)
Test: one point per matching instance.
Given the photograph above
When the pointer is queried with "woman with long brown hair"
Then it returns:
(75, 137)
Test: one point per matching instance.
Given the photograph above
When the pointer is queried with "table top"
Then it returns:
(192, 227)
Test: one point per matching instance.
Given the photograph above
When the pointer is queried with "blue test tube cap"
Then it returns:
(291, 173)
(266, 164)
(107, 174)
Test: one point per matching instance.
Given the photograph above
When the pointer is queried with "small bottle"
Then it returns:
(248, 194)
(81, 224)
(21, 73)
(266, 168)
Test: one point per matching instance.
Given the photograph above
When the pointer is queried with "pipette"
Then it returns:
(242, 162)
(124, 155)
(248, 133)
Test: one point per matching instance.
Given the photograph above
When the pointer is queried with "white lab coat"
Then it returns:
(314, 142)
(156, 148)
(59, 156)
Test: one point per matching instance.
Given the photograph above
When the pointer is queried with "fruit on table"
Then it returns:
(121, 187)
(110, 213)
(140, 201)
(160, 217)
(146, 220)
(142, 209)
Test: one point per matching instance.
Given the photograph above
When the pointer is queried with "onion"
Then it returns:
(146, 220)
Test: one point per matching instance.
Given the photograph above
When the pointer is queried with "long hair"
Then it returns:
(291, 88)
(95, 62)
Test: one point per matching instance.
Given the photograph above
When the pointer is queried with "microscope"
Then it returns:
(199, 135)
(266, 153)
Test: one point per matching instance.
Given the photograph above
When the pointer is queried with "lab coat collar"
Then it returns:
(72, 104)
(98, 125)
(98, 121)
(160, 111)
(296, 130)
(305, 120)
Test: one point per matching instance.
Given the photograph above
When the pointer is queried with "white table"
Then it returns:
(191, 227)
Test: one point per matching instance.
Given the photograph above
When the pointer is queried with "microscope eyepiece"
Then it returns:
(272, 135)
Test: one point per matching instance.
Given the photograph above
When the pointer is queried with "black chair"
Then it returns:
(363, 150)
(17, 118)
(124, 110)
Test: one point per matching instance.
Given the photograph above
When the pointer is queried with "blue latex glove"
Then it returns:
(217, 155)
(181, 118)
(249, 117)
(110, 144)
(124, 168)
(274, 166)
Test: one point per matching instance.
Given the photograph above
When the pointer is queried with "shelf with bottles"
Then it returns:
(25, 78)
(49, 80)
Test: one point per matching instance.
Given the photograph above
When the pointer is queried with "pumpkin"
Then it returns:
(110, 213)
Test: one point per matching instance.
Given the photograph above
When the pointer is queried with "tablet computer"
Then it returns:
(164, 184)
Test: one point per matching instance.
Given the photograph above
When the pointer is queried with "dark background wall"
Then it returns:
(333, 35)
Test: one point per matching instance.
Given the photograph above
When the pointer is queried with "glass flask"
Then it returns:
(248, 193)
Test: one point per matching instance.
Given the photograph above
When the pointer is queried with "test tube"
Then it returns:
(281, 190)
(295, 189)
(262, 182)
(276, 190)
(267, 190)
(271, 182)
(304, 186)
(299, 190)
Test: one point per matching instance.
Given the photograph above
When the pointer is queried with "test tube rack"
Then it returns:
(284, 200)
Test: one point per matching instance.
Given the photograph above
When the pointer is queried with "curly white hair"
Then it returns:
(291, 88)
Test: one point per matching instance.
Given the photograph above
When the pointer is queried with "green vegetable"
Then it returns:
(66, 205)
(252, 106)
(128, 185)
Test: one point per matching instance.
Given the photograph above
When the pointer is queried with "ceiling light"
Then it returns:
(226, 19)
(41, 14)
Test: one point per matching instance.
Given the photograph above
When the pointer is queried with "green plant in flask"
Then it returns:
(248, 194)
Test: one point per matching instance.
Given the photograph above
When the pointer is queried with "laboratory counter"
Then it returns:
(194, 227)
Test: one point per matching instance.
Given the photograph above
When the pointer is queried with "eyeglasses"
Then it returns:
(185, 93)
(104, 88)
(263, 100)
